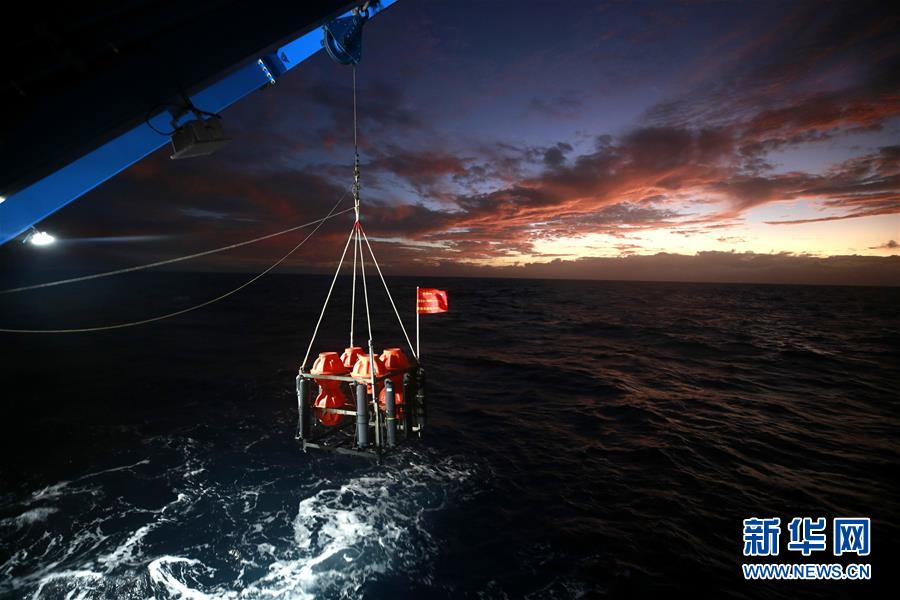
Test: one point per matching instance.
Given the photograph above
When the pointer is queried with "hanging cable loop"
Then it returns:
(170, 261)
(320, 222)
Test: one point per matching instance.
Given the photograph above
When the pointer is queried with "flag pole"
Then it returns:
(417, 324)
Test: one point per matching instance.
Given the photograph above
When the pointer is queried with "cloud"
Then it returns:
(647, 179)
(563, 106)
(627, 181)
(859, 187)
(555, 156)
(816, 69)
(888, 245)
(422, 170)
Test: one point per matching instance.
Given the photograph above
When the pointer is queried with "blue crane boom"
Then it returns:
(21, 208)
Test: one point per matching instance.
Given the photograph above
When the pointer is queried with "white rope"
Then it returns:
(327, 298)
(362, 270)
(391, 298)
(169, 261)
(356, 249)
(330, 215)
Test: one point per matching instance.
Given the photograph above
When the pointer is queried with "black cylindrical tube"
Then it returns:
(409, 403)
(362, 418)
(420, 400)
(304, 408)
(390, 409)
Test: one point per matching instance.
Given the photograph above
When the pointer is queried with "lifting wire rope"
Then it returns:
(319, 222)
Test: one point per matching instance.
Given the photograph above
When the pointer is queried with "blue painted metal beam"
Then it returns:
(30, 205)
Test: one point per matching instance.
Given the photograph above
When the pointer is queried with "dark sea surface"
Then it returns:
(586, 440)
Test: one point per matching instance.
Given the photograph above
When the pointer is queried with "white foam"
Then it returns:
(370, 525)
(343, 534)
(51, 491)
(162, 575)
(145, 461)
(126, 550)
(129, 550)
(79, 584)
(29, 517)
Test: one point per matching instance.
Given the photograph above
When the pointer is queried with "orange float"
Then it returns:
(331, 395)
(362, 371)
(350, 356)
(394, 360)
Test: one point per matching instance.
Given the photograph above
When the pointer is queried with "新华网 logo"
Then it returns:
(807, 535)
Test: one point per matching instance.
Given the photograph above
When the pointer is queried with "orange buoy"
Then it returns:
(331, 395)
(362, 371)
(350, 356)
(395, 360)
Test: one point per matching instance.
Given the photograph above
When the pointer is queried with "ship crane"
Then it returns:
(87, 92)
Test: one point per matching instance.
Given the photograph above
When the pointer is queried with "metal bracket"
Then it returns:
(342, 37)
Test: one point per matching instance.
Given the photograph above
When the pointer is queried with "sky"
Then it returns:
(696, 141)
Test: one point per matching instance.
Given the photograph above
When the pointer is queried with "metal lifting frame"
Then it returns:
(352, 437)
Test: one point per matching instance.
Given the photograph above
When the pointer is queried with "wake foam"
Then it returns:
(338, 536)
(368, 526)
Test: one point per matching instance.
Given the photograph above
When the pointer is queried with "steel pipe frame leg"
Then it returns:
(390, 409)
(420, 400)
(304, 410)
(408, 404)
(362, 416)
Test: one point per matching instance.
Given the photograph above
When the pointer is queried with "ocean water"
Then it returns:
(586, 440)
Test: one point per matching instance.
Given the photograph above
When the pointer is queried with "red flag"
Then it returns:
(431, 301)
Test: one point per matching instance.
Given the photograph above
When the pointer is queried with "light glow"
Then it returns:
(42, 238)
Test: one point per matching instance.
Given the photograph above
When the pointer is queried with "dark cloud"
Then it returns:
(564, 106)
(864, 186)
(555, 156)
(824, 70)
(423, 170)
